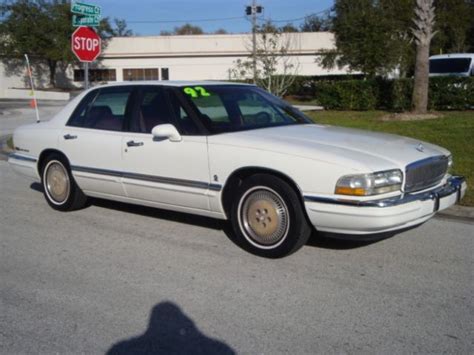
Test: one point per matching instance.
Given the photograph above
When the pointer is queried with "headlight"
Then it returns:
(370, 184)
(450, 162)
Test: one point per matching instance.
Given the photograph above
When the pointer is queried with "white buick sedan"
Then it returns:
(233, 151)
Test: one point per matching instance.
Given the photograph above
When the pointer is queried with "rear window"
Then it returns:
(102, 110)
(450, 65)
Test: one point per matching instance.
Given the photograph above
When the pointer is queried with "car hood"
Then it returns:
(356, 149)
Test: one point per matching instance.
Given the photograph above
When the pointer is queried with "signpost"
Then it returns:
(92, 21)
(84, 9)
(85, 42)
(86, 45)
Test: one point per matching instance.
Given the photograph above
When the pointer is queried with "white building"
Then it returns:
(193, 57)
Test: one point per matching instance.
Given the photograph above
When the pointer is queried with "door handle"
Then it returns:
(69, 136)
(134, 144)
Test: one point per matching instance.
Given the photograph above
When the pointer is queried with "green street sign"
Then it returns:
(80, 8)
(90, 21)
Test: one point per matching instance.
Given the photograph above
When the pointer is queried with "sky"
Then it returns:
(231, 13)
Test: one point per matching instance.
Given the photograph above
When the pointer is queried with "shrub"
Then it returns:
(451, 93)
(445, 93)
(347, 95)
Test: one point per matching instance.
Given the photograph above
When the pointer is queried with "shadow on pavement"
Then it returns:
(322, 240)
(170, 331)
(318, 240)
(159, 213)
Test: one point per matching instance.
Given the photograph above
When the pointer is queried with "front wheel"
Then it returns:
(268, 218)
(60, 189)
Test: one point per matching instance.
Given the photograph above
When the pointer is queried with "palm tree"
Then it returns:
(423, 32)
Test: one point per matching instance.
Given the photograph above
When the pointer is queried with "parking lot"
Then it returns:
(121, 279)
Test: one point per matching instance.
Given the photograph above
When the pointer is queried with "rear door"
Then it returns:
(169, 173)
(92, 140)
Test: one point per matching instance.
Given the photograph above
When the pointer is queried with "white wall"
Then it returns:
(196, 57)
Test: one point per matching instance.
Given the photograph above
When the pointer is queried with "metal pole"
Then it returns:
(30, 74)
(86, 75)
(254, 40)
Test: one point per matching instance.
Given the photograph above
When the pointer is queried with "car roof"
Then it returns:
(453, 55)
(174, 83)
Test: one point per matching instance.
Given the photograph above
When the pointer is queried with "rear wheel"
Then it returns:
(268, 218)
(60, 189)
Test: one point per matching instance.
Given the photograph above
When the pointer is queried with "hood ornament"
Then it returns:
(420, 147)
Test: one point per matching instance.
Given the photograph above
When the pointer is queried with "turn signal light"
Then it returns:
(350, 191)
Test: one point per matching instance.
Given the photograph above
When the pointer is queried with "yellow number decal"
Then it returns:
(191, 92)
(196, 92)
(202, 91)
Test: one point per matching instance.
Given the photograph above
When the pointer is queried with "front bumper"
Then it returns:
(383, 215)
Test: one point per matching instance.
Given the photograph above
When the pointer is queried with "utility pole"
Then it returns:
(253, 11)
(254, 41)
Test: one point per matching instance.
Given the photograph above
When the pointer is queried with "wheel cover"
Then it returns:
(57, 182)
(265, 217)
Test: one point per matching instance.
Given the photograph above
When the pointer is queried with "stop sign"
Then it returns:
(85, 44)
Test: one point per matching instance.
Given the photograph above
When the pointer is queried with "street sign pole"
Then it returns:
(85, 42)
(86, 45)
(86, 75)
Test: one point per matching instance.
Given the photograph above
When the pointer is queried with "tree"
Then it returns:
(423, 31)
(315, 23)
(121, 29)
(188, 29)
(454, 20)
(372, 36)
(276, 70)
(220, 31)
(48, 41)
(289, 28)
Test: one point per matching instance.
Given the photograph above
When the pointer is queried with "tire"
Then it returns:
(267, 217)
(59, 187)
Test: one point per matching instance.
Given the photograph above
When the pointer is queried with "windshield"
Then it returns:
(450, 65)
(230, 108)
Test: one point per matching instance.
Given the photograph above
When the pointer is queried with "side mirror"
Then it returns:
(167, 131)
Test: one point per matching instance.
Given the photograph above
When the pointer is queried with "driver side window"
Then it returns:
(153, 109)
(256, 111)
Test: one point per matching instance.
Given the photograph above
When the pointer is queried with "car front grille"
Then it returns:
(425, 173)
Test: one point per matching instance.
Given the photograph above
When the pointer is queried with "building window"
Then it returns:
(140, 74)
(165, 74)
(96, 75)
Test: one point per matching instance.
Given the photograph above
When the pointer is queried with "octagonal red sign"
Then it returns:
(86, 44)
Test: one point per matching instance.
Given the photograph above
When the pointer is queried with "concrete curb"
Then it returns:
(458, 212)
(455, 212)
(309, 108)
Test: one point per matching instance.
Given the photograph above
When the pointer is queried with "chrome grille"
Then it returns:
(425, 173)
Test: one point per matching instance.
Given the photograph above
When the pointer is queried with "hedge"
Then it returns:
(445, 93)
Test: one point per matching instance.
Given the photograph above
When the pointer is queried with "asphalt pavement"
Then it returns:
(116, 278)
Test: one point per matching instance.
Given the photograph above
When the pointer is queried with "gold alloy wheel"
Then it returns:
(57, 182)
(265, 217)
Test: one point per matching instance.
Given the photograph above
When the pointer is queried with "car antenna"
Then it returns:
(33, 102)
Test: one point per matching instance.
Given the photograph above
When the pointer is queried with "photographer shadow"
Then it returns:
(170, 331)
